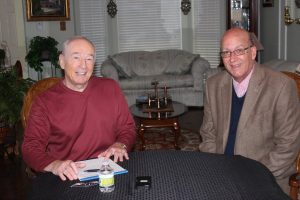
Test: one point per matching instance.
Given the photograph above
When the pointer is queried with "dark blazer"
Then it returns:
(269, 126)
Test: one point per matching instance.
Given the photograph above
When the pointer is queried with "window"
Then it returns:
(149, 25)
(92, 17)
(208, 29)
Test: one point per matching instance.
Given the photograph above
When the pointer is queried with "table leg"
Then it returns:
(157, 123)
(176, 128)
(141, 131)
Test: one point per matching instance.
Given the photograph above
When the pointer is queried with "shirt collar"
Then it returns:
(241, 88)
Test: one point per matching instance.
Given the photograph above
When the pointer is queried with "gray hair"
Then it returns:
(67, 42)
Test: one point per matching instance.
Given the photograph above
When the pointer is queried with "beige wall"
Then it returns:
(293, 42)
(47, 28)
(280, 41)
(12, 29)
(293, 33)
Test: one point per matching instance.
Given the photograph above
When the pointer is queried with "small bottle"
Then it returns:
(106, 178)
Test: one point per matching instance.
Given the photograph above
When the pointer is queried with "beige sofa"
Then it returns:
(180, 70)
(284, 65)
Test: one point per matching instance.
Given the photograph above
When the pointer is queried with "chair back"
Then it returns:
(36, 89)
(296, 77)
(298, 163)
(293, 181)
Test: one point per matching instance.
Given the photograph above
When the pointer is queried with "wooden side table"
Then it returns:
(148, 120)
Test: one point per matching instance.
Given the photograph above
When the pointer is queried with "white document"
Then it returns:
(90, 171)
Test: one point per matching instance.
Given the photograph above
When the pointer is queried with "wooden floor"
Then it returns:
(15, 184)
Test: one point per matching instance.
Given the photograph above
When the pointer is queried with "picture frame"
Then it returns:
(268, 3)
(48, 10)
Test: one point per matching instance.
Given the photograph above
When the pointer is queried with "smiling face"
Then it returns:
(239, 66)
(77, 60)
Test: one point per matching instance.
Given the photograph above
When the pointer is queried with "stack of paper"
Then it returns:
(91, 170)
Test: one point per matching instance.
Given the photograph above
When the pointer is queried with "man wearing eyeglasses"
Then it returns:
(250, 110)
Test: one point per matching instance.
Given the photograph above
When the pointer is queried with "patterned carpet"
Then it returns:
(163, 138)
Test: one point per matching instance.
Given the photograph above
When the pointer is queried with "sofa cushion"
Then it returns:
(282, 65)
(148, 63)
(180, 61)
(122, 64)
(139, 63)
(144, 82)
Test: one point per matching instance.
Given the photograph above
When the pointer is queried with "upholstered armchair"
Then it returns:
(294, 181)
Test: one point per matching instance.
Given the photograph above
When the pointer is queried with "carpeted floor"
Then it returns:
(163, 138)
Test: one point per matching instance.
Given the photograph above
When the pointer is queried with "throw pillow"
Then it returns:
(147, 63)
(122, 63)
(180, 62)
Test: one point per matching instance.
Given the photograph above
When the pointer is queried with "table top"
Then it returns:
(178, 108)
(181, 175)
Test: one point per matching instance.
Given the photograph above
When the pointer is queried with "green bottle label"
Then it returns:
(106, 180)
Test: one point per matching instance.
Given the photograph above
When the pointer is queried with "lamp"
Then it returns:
(112, 8)
(287, 17)
(256, 42)
(185, 6)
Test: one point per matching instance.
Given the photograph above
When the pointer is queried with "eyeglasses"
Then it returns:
(237, 52)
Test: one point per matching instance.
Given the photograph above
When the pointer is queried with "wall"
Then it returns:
(12, 30)
(279, 40)
(293, 42)
(270, 32)
(293, 33)
(47, 28)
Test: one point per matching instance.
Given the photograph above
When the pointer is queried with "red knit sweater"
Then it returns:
(65, 124)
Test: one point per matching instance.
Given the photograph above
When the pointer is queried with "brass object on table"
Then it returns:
(167, 108)
(158, 103)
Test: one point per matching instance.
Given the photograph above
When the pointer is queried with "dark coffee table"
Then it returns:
(158, 120)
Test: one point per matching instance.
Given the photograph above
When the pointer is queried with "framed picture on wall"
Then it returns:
(268, 3)
(48, 10)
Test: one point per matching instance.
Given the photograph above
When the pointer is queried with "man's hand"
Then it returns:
(118, 150)
(66, 169)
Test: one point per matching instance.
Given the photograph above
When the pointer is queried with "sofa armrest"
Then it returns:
(283, 65)
(108, 70)
(210, 72)
(199, 66)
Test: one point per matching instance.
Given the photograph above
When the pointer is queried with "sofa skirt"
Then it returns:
(187, 95)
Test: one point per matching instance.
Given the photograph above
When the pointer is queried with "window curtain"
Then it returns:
(149, 25)
(208, 29)
(92, 16)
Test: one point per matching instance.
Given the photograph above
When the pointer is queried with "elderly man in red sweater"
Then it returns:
(81, 117)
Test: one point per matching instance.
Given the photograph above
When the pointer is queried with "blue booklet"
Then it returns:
(91, 170)
(142, 99)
